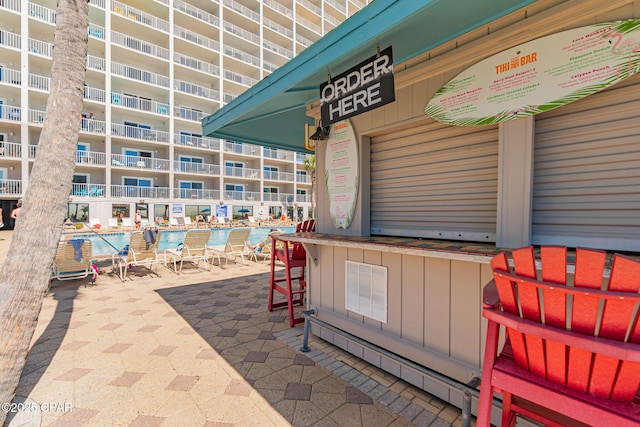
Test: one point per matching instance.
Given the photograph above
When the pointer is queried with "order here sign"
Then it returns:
(364, 87)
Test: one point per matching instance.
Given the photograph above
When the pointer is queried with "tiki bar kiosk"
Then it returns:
(445, 131)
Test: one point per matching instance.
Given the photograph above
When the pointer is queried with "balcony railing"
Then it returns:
(139, 133)
(11, 5)
(13, 77)
(242, 56)
(303, 40)
(189, 193)
(196, 13)
(241, 32)
(10, 112)
(278, 197)
(95, 63)
(42, 13)
(41, 47)
(248, 149)
(274, 4)
(278, 176)
(242, 195)
(10, 39)
(36, 116)
(91, 158)
(337, 5)
(242, 172)
(196, 64)
(277, 49)
(136, 192)
(193, 89)
(93, 126)
(199, 168)
(274, 153)
(138, 162)
(97, 3)
(303, 179)
(11, 186)
(139, 103)
(196, 38)
(243, 10)
(139, 45)
(138, 15)
(196, 141)
(239, 78)
(278, 28)
(303, 198)
(96, 31)
(88, 190)
(11, 149)
(94, 94)
(188, 114)
(310, 25)
(139, 74)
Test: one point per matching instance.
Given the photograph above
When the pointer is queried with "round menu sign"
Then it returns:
(341, 173)
(540, 75)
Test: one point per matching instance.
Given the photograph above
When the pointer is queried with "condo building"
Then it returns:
(155, 68)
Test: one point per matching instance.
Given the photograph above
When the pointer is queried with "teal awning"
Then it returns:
(272, 112)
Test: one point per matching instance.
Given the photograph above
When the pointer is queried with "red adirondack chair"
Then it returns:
(293, 255)
(572, 350)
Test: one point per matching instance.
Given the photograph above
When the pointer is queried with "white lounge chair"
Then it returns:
(73, 260)
(140, 252)
(93, 222)
(127, 224)
(173, 223)
(113, 223)
(194, 249)
(234, 247)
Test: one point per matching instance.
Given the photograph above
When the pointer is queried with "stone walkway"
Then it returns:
(199, 349)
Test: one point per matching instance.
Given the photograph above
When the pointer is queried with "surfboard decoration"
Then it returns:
(342, 173)
(540, 75)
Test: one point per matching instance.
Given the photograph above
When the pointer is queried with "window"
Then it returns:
(120, 211)
(242, 212)
(80, 185)
(78, 212)
(233, 168)
(233, 191)
(191, 189)
(161, 211)
(270, 172)
(143, 208)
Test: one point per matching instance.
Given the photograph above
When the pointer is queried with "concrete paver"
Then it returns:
(199, 349)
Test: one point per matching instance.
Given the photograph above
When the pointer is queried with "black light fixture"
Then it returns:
(321, 133)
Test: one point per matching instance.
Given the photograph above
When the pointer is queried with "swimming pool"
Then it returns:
(106, 244)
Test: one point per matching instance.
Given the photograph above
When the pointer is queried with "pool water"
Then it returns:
(108, 243)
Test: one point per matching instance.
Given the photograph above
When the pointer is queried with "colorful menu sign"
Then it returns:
(540, 75)
(341, 173)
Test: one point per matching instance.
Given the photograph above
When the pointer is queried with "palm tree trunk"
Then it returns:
(24, 277)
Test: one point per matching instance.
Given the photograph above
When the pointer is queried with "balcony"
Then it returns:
(139, 104)
(242, 10)
(139, 133)
(241, 32)
(303, 179)
(303, 198)
(196, 64)
(287, 53)
(88, 190)
(42, 13)
(189, 114)
(241, 56)
(278, 197)
(11, 5)
(278, 176)
(11, 150)
(139, 74)
(196, 38)
(133, 43)
(308, 24)
(246, 149)
(242, 195)
(239, 78)
(93, 126)
(11, 187)
(96, 31)
(241, 172)
(137, 192)
(139, 16)
(268, 23)
(91, 158)
(9, 76)
(40, 47)
(196, 13)
(95, 63)
(196, 141)
(274, 153)
(9, 39)
(193, 89)
(136, 162)
(197, 168)
(10, 113)
(190, 193)
(275, 5)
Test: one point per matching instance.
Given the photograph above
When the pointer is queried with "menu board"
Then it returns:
(540, 75)
(341, 173)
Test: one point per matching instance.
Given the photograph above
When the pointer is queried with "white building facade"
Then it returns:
(154, 70)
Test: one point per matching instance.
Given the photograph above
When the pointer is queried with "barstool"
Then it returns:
(293, 256)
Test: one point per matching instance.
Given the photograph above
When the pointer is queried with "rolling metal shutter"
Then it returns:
(435, 181)
(586, 189)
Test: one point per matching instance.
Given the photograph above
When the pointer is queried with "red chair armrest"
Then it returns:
(490, 298)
